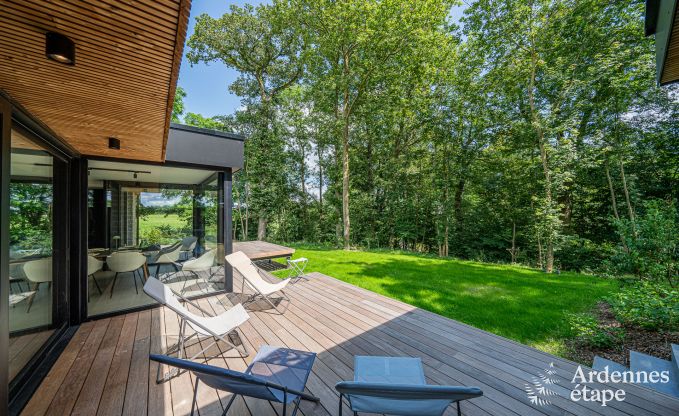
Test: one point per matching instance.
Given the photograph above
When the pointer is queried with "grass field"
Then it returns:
(523, 304)
(155, 220)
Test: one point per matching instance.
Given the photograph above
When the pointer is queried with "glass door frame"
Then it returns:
(14, 394)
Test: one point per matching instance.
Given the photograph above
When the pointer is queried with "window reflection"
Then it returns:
(30, 233)
(167, 216)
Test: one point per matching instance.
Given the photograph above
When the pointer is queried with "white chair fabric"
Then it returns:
(254, 280)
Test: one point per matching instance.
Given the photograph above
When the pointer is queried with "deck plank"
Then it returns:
(90, 395)
(43, 397)
(113, 396)
(69, 390)
(337, 321)
(136, 394)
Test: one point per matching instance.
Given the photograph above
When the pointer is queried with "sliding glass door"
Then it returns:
(33, 269)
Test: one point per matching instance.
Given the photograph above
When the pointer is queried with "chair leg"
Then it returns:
(195, 395)
(294, 412)
(228, 406)
(340, 404)
(36, 286)
(180, 342)
(285, 402)
(96, 283)
(113, 285)
(459, 413)
(158, 271)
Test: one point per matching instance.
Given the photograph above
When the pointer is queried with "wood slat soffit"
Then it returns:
(128, 54)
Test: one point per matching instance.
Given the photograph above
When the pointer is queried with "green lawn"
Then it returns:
(523, 304)
(155, 220)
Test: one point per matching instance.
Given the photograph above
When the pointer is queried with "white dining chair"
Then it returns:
(93, 266)
(37, 272)
(126, 262)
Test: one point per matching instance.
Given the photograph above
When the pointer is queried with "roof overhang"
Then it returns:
(124, 78)
(662, 21)
(197, 146)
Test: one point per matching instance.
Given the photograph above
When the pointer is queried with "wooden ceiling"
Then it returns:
(670, 72)
(127, 61)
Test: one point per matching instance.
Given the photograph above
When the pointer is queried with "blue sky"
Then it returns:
(207, 86)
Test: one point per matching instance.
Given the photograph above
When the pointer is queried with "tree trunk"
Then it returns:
(320, 184)
(549, 255)
(457, 205)
(346, 114)
(630, 210)
(345, 184)
(261, 227)
(512, 251)
(614, 203)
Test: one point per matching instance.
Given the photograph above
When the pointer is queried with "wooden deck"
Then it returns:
(105, 369)
(262, 250)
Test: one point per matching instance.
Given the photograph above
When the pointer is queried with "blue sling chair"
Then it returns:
(276, 374)
(396, 386)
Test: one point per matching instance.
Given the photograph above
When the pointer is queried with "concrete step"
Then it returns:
(600, 364)
(643, 362)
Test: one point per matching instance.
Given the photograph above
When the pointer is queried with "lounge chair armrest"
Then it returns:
(408, 391)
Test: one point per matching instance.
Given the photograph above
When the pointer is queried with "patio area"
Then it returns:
(105, 368)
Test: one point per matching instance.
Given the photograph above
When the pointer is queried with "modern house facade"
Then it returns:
(86, 94)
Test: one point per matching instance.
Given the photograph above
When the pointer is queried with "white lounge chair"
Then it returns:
(203, 263)
(188, 245)
(217, 327)
(251, 277)
(168, 255)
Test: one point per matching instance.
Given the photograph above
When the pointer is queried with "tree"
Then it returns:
(356, 44)
(178, 105)
(268, 54)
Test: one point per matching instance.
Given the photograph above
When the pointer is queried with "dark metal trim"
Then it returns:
(651, 21)
(5, 136)
(171, 164)
(78, 252)
(209, 132)
(60, 242)
(225, 223)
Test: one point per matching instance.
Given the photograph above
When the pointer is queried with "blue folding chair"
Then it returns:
(396, 386)
(276, 374)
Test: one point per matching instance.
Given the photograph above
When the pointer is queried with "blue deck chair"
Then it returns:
(276, 374)
(396, 386)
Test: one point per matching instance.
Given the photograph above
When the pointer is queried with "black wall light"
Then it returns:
(113, 143)
(60, 48)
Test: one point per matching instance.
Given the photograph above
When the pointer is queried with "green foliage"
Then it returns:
(587, 330)
(30, 216)
(178, 105)
(646, 304)
(650, 248)
(516, 136)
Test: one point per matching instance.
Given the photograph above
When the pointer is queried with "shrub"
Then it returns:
(647, 304)
(651, 243)
(586, 330)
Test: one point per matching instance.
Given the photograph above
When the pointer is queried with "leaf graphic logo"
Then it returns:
(538, 391)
